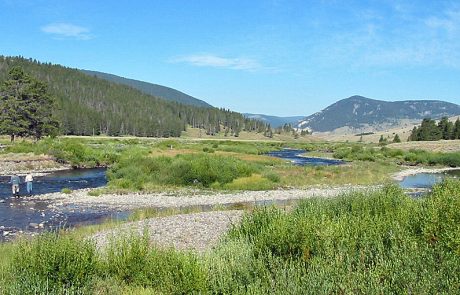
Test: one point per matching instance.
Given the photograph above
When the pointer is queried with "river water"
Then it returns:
(296, 157)
(30, 214)
(417, 181)
(427, 180)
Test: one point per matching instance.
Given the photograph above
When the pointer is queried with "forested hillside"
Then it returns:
(87, 105)
(151, 89)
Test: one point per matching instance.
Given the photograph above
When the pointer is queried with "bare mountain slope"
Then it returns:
(359, 113)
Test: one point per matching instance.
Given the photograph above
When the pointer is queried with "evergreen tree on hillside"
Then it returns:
(446, 128)
(396, 139)
(456, 130)
(25, 107)
(428, 131)
(382, 140)
(431, 131)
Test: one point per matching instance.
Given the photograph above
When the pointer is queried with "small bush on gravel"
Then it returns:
(66, 190)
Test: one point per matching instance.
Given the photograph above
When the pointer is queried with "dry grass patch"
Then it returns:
(251, 157)
(357, 172)
(171, 152)
(444, 146)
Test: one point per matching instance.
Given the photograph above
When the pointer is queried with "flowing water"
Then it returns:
(427, 180)
(296, 157)
(28, 213)
(420, 181)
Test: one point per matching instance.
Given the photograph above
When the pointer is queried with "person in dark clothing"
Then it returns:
(15, 185)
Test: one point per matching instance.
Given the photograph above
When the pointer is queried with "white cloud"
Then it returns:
(66, 30)
(209, 60)
(449, 22)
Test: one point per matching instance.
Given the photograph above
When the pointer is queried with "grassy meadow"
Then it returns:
(365, 243)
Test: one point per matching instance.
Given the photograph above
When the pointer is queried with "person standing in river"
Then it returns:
(29, 179)
(15, 185)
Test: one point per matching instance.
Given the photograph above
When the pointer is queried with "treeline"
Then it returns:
(87, 105)
(431, 131)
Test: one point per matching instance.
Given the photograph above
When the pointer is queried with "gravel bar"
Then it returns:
(123, 202)
(197, 231)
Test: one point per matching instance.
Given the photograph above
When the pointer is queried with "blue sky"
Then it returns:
(275, 57)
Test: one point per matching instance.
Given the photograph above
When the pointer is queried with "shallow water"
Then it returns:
(54, 182)
(295, 156)
(27, 213)
(426, 180)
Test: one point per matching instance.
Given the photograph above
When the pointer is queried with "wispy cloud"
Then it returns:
(210, 60)
(449, 22)
(397, 41)
(67, 31)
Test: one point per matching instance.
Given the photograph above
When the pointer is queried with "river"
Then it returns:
(31, 214)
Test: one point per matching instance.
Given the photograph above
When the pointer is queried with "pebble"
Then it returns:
(33, 225)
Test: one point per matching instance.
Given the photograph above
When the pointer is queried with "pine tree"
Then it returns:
(446, 128)
(396, 139)
(25, 107)
(456, 130)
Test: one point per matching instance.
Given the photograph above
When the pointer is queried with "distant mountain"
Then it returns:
(274, 121)
(359, 112)
(152, 89)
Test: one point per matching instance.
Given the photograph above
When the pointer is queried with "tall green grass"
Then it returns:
(139, 171)
(383, 242)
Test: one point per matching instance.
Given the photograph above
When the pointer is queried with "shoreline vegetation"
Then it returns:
(362, 242)
(348, 231)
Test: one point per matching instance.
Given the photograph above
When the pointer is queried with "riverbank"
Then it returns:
(29, 163)
(399, 176)
(190, 198)
(196, 231)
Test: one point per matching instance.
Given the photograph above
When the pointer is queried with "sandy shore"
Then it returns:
(412, 171)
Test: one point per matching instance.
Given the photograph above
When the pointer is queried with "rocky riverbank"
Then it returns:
(196, 231)
(412, 171)
(29, 163)
(189, 198)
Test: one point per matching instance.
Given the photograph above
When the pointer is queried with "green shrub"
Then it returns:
(71, 151)
(95, 193)
(53, 263)
(131, 260)
(66, 190)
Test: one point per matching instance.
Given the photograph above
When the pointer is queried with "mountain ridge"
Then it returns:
(156, 90)
(274, 121)
(358, 112)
